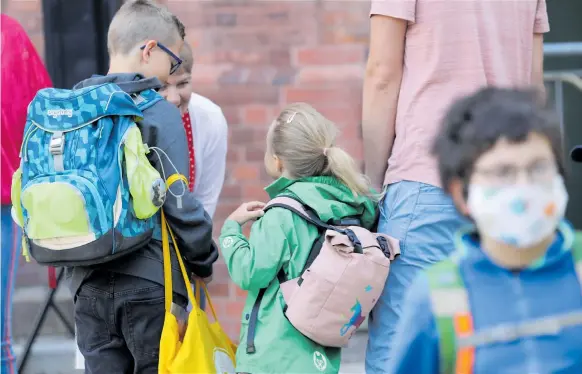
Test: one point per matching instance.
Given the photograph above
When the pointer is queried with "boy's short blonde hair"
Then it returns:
(140, 20)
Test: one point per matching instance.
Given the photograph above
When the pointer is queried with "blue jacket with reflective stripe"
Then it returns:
(499, 296)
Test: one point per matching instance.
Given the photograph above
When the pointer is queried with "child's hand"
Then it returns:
(247, 212)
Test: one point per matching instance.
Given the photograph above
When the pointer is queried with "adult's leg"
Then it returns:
(98, 338)
(9, 262)
(424, 219)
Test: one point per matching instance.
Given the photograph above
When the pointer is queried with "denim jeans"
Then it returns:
(11, 240)
(119, 321)
(424, 219)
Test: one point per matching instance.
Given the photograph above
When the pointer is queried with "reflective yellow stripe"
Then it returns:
(174, 178)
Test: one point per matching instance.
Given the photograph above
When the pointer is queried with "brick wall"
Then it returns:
(251, 58)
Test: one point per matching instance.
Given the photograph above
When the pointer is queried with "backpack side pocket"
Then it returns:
(15, 191)
(147, 188)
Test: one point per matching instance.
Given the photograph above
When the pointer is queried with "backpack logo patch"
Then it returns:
(319, 361)
(55, 113)
(356, 320)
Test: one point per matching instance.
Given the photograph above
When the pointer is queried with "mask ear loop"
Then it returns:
(184, 186)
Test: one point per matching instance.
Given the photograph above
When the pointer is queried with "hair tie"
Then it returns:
(325, 151)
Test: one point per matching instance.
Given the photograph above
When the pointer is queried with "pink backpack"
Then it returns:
(341, 282)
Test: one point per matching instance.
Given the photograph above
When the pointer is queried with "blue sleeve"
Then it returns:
(416, 341)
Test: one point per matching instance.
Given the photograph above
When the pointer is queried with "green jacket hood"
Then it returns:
(328, 197)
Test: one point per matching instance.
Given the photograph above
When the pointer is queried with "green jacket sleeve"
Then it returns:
(253, 263)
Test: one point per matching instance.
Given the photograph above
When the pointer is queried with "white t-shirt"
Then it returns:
(210, 133)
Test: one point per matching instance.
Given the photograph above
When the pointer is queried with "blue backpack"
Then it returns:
(85, 192)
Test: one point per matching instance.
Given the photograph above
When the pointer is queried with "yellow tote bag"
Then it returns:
(205, 347)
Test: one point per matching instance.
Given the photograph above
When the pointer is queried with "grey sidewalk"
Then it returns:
(54, 353)
(57, 356)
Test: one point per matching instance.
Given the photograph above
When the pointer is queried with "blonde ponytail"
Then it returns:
(342, 166)
(305, 142)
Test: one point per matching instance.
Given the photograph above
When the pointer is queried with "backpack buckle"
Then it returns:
(383, 243)
(355, 241)
(57, 144)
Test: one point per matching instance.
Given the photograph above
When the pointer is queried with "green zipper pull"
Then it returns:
(25, 251)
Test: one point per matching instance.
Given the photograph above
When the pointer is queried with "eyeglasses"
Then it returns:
(539, 171)
(177, 60)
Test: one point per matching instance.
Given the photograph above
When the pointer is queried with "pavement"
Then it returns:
(54, 352)
(53, 355)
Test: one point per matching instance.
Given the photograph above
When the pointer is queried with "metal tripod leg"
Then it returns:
(38, 323)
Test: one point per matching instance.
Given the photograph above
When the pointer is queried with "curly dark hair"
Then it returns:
(473, 125)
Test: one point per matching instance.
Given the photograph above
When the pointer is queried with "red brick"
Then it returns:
(340, 95)
(240, 94)
(225, 209)
(353, 147)
(208, 74)
(246, 172)
(232, 191)
(260, 137)
(255, 192)
(349, 115)
(323, 74)
(241, 135)
(234, 309)
(257, 115)
(232, 115)
(330, 55)
(351, 131)
(233, 154)
(218, 289)
(220, 273)
(241, 293)
(253, 154)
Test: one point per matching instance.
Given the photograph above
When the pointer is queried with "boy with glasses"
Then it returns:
(119, 305)
(206, 131)
(508, 299)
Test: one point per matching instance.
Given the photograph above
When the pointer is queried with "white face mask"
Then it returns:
(520, 215)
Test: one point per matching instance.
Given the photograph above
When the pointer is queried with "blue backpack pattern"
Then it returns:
(85, 192)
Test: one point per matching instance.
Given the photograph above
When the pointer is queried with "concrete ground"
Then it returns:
(57, 356)
(54, 351)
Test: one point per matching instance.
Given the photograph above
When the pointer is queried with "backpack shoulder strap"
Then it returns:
(577, 254)
(450, 303)
(295, 206)
(145, 99)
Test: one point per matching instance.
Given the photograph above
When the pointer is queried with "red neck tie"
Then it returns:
(188, 128)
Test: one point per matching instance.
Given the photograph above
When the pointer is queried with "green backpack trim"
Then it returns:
(448, 297)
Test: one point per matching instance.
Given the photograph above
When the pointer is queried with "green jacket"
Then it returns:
(281, 239)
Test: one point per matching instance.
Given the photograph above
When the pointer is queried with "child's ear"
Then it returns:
(457, 191)
(146, 51)
(278, 164)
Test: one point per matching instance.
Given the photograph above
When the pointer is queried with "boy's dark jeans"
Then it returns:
(119, 321)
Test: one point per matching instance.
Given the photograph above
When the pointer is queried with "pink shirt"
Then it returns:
(453, 48)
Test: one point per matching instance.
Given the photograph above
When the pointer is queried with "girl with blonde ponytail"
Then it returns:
(302, 156)
(303, 141)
